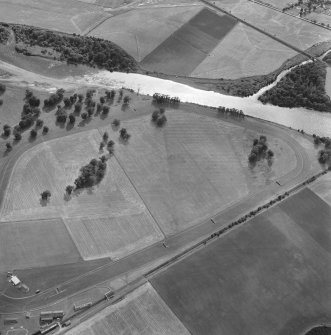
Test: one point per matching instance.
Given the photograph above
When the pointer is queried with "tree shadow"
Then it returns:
(60, 124)
(66, 197)
(103, 116)
(43, 202)
(69, 126)
(32, 139)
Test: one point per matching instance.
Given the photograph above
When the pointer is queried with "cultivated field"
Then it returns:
(186, 48)
(35, 243)
(243, 52)
(270, 276)
(71, 16)
(141, 312)
(112, 209)
(144, 29)
(195, 166)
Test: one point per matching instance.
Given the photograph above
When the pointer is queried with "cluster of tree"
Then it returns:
(6, 130)
(233, 112)
(31, 110)
(55, 98)
(159, 118)
(77, 49)
(110, 144)
(304, 86)
(165, 99)
(110, 95)
(4, 34)
(92, 173)
(260, 150)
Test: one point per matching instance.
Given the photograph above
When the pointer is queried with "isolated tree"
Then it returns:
(78, 107)
(102, 100)
(80, 97)
(45, 195)
(6, 130)
(8, 146)
(39, 123)
(90, 111)
(99, 107)
(126, 99)
(45, 130)
(160, 122)
(116, 123)
(18, 136)
(2, 88)
(33, 133)
(69, 189)
(155, 115)
(72, 118)
(103, 158)
(105, 136)
(101, 146)
(28, 94)
(105, 110)
(1, 102)
(84, 116)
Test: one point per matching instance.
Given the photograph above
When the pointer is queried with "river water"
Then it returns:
(298, 118)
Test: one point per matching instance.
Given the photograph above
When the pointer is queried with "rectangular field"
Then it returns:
(35, 243)
(270, 276)
(141, 312)
(322, 187)
(186, 48)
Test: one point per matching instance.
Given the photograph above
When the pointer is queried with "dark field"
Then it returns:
(185, 49)
(271, 276)
(35, 243)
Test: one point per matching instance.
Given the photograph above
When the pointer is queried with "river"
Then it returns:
(298, 118)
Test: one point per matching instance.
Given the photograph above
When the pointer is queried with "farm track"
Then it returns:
(157, 251)
(219, 9)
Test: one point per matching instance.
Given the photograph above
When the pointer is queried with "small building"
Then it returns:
(14, 280)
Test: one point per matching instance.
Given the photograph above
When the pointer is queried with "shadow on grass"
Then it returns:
(69, 126)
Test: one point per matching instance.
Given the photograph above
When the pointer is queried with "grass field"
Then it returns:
(195, 166)
(270, 276)
(328, 82)
(35, 243)
(186, 48)
(140, 39)
(112, 209)
(69, 16)
(141, 312)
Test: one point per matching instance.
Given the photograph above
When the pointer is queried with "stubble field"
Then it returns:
(141, 312)
(277, 266)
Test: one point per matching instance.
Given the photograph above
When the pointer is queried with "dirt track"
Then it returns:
(156, 253)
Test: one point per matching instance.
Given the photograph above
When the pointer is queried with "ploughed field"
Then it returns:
(270, 276)
(162, 182)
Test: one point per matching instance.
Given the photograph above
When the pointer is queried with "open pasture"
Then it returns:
(141, 312)
(277, 265)
(185, 49)
(35, 243)
(195, 166)
(144, 29)
(70, 16)
(111, 211)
